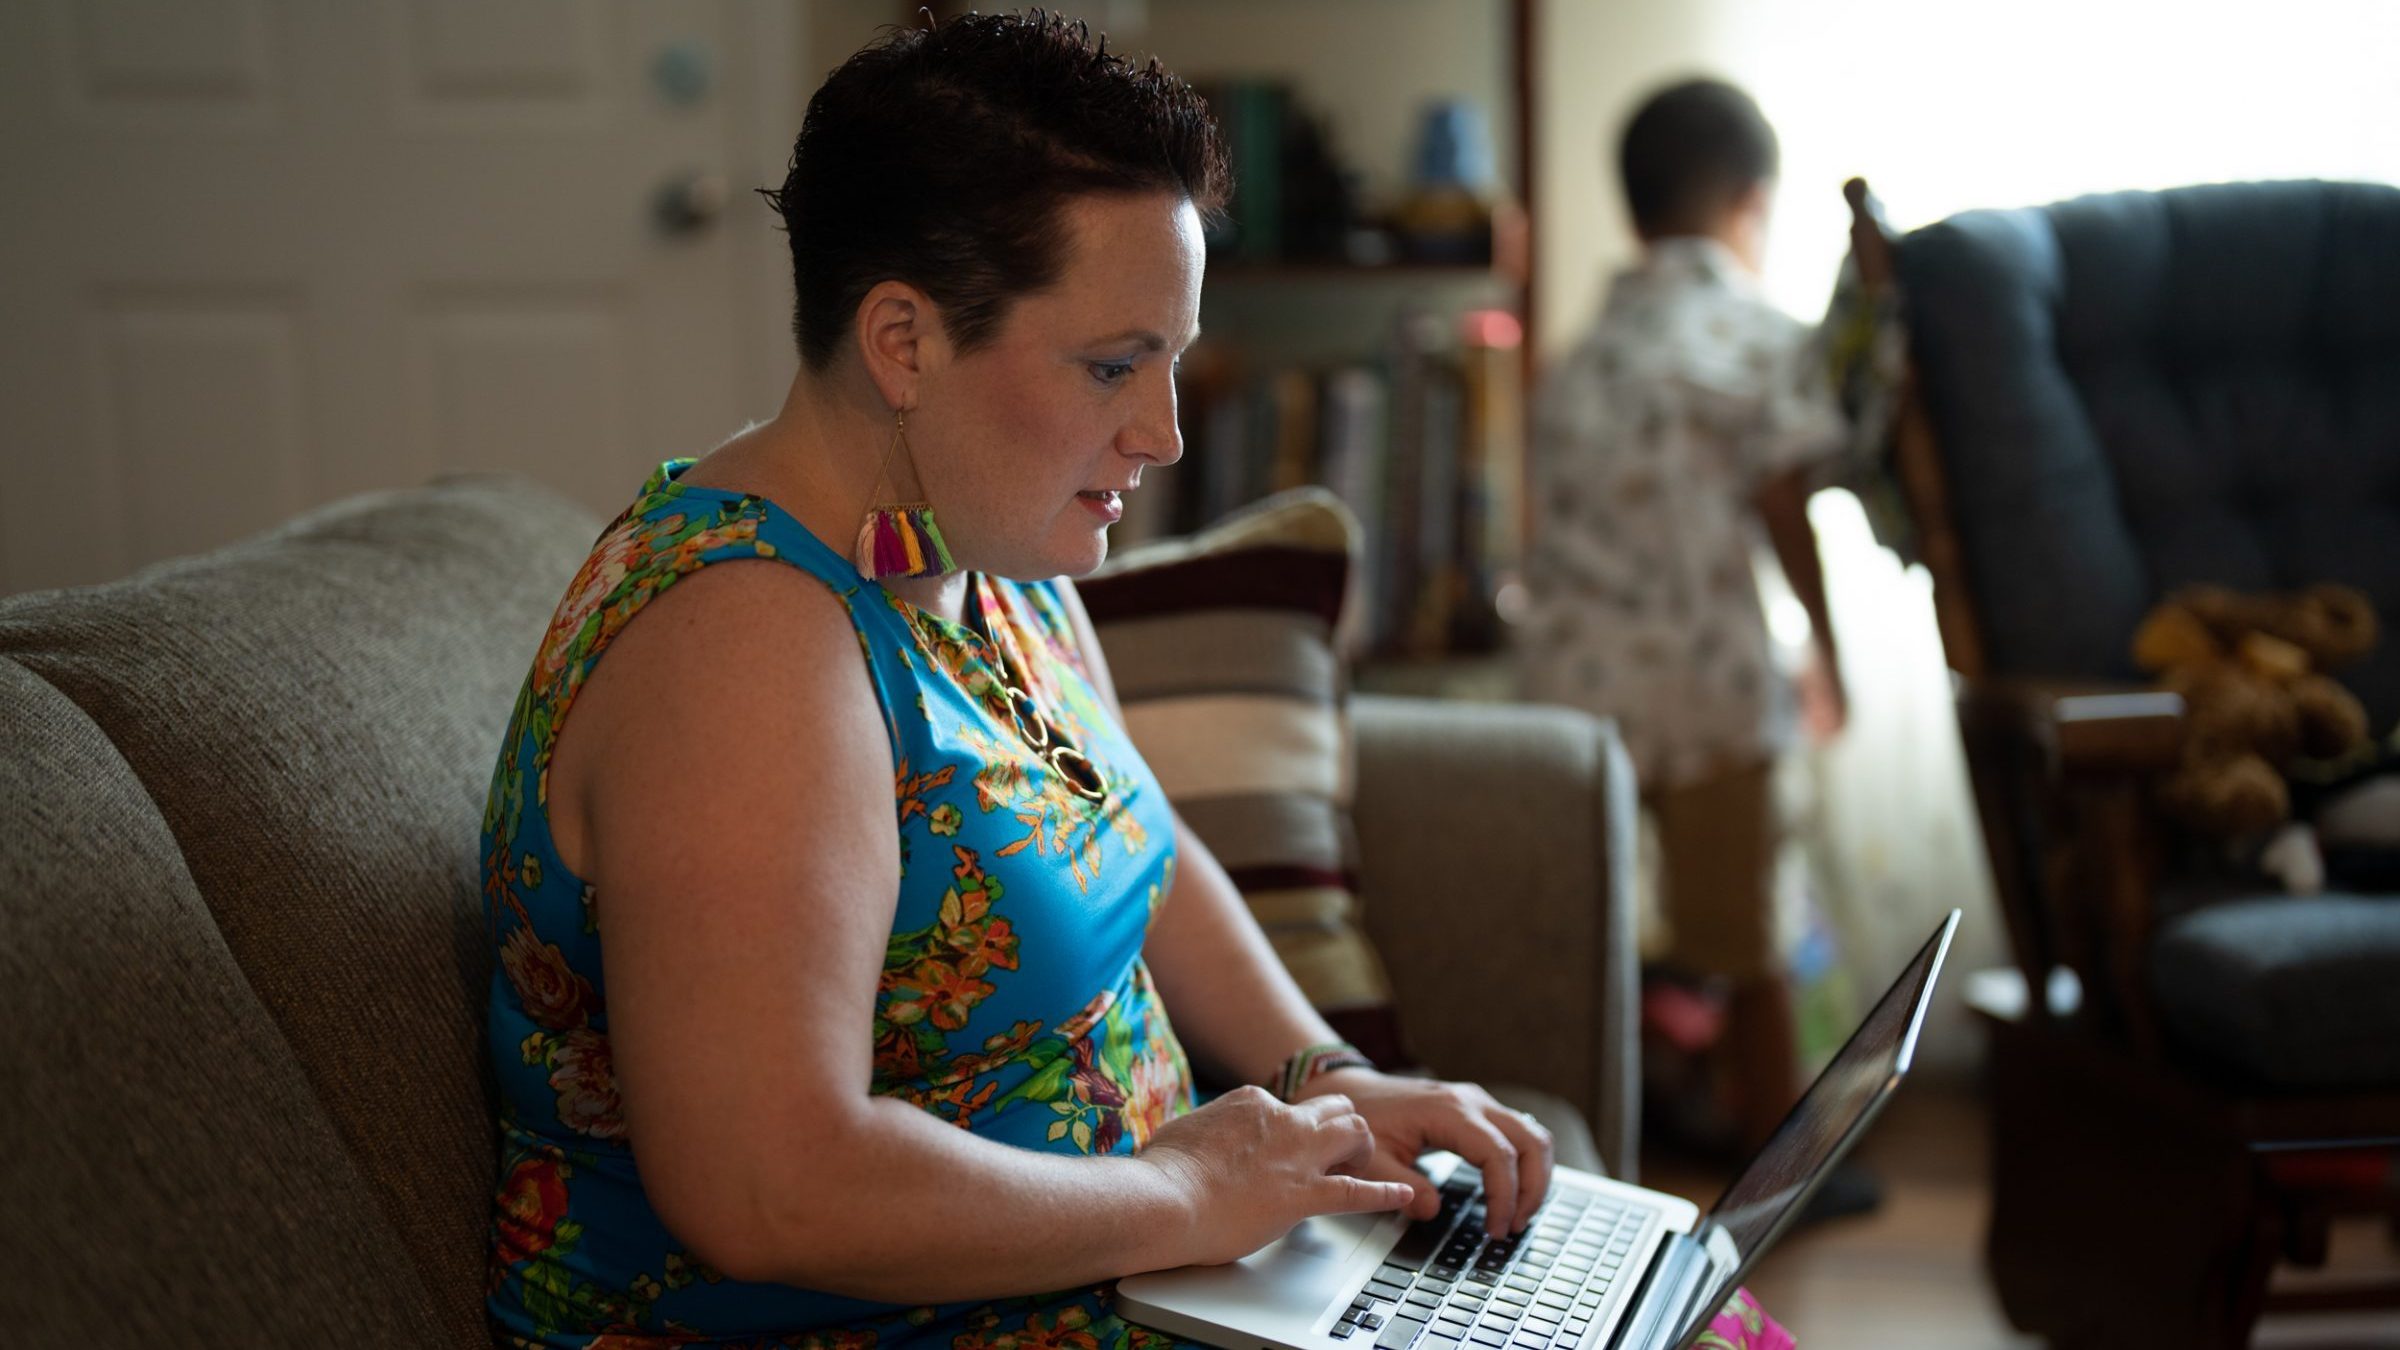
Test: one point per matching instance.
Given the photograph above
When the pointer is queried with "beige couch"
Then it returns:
(242, 963)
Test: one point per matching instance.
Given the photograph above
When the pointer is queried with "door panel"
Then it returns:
(258, 255)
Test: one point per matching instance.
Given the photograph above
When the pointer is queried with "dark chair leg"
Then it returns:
(2115, 1221)
(2254, 1265)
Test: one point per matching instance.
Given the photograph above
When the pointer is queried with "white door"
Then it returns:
(259, 254)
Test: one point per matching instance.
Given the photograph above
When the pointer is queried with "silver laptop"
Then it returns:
(1603, 1266)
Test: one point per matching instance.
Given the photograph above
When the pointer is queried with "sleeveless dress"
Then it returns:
(1013, 1000)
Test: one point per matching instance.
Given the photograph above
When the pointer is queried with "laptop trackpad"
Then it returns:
(1294, 1278)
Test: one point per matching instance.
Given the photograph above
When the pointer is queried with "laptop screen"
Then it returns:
(1832, 1114)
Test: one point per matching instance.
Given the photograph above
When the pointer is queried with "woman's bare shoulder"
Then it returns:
(735, 657)
(752, 607)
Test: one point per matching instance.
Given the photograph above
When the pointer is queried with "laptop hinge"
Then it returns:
(1662, 1302)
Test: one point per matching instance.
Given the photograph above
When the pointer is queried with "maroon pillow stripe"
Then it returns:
(1267, 577)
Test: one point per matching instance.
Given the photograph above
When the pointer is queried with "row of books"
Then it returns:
(1423, 440)
(1297, 200)
(1291, 199)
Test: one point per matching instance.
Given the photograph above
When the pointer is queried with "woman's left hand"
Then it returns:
(1413, 1115)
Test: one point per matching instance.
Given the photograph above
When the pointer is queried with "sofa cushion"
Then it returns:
(2293, 992)
(168, 1175)
(1224, 653)
(315, 713)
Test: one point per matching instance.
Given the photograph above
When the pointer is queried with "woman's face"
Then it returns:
(1027, 444)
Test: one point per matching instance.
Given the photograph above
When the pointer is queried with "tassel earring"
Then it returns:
(900, 540)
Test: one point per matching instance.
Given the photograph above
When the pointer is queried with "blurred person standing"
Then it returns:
(1683, 425)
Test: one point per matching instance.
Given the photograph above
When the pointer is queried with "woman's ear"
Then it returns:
(899, 334)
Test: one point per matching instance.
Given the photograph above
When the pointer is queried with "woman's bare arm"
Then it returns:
(743, 858)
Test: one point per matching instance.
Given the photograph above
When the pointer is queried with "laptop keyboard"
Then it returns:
(1446, 1286)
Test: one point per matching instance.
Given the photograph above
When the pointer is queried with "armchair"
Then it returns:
(2109, 398)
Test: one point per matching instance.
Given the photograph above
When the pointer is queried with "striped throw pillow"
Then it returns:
(1227, 659)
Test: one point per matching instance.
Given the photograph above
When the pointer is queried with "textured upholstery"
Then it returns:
(2140, 390)
(241, 960)
(1496, 848)
(168, 1176)
(314, 714)
(2315, 975)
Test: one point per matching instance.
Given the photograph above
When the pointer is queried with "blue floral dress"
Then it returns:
(1013, 1001)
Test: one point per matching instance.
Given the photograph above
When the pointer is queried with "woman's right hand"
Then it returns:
(1250, 1167)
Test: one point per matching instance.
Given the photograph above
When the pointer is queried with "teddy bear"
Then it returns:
(2250, 668)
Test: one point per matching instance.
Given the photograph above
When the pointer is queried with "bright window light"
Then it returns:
(1953, 104)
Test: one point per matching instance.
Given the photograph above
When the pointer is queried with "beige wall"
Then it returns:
(1593, 61)
(837, 28)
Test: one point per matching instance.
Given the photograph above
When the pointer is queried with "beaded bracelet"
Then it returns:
(1316, 1059)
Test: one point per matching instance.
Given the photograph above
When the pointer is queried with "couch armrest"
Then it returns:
(1496, 859)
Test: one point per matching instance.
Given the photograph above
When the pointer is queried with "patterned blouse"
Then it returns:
(1652, 435)
(1013, 1001)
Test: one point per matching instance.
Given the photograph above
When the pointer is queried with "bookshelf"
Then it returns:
(1390, 370)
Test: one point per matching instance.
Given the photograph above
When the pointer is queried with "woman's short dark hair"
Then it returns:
(1691, 149)
(942, 156)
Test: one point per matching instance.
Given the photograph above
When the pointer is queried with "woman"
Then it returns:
(912, 1085)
